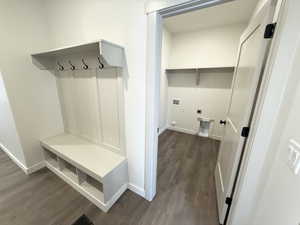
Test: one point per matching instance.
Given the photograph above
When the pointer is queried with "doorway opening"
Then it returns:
(210, 72)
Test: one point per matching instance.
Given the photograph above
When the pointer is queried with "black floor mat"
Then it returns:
(83, 220)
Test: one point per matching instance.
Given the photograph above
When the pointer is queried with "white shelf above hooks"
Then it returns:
(110, 55)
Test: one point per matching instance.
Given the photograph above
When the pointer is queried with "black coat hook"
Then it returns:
(101, 65)
(72, 66)
(85, 66)
(60, 67)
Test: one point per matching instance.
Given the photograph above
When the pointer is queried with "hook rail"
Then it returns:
(84, 66)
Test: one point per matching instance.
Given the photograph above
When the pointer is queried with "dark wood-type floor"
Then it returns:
(185, 192)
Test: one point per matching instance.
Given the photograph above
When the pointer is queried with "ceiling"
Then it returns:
(238, 11)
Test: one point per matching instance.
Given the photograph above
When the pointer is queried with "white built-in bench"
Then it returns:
(91, 153)
(98, 174)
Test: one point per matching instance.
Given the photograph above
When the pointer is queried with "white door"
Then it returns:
(252, 54)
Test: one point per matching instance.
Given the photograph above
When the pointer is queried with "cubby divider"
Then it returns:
(61, 164)
(69, 170)
(81, 176)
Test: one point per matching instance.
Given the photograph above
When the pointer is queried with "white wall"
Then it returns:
(211, 47)
(280, 199)
(124, 23)
(31, 93)
(165, 56)
(9, 138)
(211, 96)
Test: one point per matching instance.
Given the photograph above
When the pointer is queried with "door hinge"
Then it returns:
(158, 130)
(228, 201)
(270, 30)
(245, 131)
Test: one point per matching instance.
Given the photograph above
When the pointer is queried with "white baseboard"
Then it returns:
(13, 158)
(219, 138)
(161, 130)
(183, 130)
(36, 167)
(26, 170)
(140, 191)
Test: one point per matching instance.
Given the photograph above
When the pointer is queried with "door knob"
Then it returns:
(223, 122)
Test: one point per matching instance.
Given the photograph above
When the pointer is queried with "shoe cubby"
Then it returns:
(91, 185)
(50, 158)
(67, 169)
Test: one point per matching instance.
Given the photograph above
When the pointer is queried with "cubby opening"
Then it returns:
(93, 186)
(51, 158)
(67, 169)
(95, 183)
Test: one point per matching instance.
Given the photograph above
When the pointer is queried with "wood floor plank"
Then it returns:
(185, 191)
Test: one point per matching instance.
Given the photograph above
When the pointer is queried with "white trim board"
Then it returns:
(138, 190)
(163, 129)
(13, 158)
(192, 132)
(171, 8)
(36, 167)
(26, 170)
(219, 138)
(182, 130)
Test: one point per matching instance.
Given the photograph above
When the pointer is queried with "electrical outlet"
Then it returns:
(176, 101)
